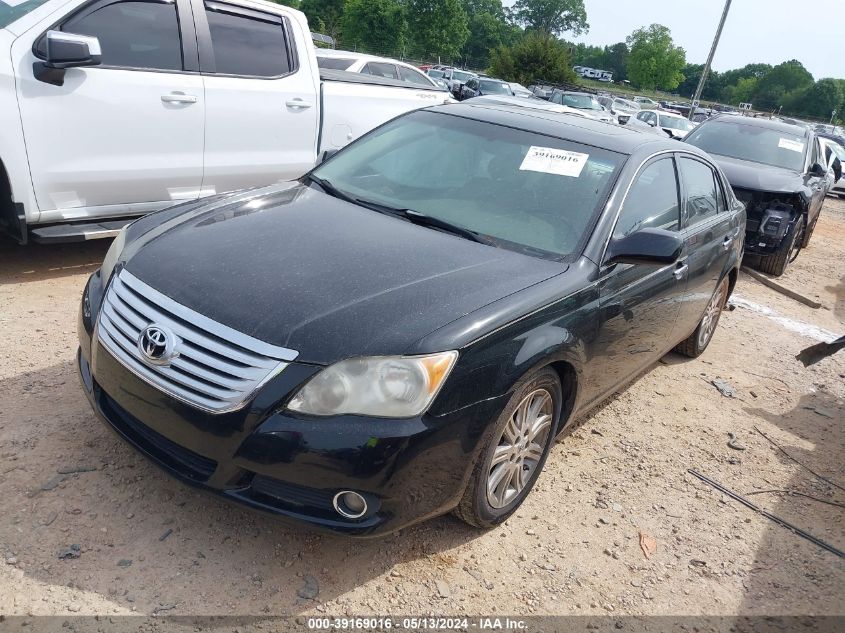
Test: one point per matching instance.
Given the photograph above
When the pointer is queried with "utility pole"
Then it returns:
(706, 70)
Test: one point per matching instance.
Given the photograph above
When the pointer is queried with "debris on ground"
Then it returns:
(72, 551)
(725, 388)
(310, 590)
(734, 443)
(648, 544)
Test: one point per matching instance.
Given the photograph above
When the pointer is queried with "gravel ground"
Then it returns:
(87, 526)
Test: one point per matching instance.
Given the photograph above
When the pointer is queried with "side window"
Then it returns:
(652, 201)
(413, 77)
(701, 200)
(642, 116)
(250, 43)
(380, 69)
(557, 98)
(133, 34)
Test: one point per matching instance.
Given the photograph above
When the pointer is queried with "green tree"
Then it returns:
(374, 25)
(534, 57)
(438, 27)
(551, 17)
(655, 61)
(488, 29)
(294, 4)
(741, 92)
(818, 100)
(785, 78)
(616, 57)
(324, 16)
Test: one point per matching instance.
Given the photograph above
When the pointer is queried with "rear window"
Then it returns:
(785, 149)
(11, 10)
(334, 63)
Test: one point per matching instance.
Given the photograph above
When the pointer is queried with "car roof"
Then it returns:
(770, 124)
(583, 130)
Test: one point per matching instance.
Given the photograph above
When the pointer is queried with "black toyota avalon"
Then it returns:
(403, 332)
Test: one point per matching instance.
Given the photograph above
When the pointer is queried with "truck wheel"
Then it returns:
(515, 450)
(776, 264)
(694, 346)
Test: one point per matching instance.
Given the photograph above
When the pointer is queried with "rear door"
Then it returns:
(261, 96)
(709, 231)
(639, 303)
(122, 137)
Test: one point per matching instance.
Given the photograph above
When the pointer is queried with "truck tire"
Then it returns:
(776, 265)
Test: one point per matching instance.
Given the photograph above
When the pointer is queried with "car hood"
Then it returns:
(297, 268)
(759, 177)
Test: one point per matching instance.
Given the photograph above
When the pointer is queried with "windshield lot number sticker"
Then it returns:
(795, 146)
(554, 161)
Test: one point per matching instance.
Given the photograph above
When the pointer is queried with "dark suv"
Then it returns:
(778, 170)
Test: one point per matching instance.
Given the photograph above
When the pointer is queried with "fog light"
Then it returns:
(350, 504)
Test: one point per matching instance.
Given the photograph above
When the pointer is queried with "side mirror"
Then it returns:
(326, 155)
(646, 246)
(837, 170)
(652, 123)
(65, 50)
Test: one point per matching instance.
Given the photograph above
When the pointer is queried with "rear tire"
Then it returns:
(777, 264)
(694, 346)
(515, 449)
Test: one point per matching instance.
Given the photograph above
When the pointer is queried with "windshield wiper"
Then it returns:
(417, 217)
(329, 188)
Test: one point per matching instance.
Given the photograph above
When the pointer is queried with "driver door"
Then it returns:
(131, 129)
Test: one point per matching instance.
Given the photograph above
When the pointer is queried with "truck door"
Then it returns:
(123, 137)
(261, 96)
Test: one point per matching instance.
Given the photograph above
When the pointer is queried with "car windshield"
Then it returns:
(675, 123)
(462, 76)
(753, 143)
(494, 87)
(520, 190)
(582, 102)
(436, 74)
(334, 63)
(11, 10)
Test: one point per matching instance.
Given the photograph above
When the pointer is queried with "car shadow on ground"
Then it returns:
(812, 433)
(147, 541)
(36, 262)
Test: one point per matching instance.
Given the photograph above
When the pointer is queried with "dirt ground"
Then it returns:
(149, 544)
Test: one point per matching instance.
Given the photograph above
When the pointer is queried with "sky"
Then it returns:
(766, 31)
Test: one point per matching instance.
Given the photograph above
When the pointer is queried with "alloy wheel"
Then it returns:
(520, 448)
(711, 316)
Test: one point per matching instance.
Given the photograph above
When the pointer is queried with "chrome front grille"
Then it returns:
(213, 367)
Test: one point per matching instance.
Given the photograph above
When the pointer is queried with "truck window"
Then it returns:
(380, 69)
(411, 76)
(133, 34)
(246, 42)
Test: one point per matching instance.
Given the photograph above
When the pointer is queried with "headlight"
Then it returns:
(112, 256)
(381, 386)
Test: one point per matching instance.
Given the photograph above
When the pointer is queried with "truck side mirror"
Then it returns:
(326, 155)
(66, 50)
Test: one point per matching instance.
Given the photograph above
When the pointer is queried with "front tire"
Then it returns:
(776, 264)
(514, 452)
(694, 346)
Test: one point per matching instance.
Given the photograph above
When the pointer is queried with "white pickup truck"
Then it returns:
(110, 109)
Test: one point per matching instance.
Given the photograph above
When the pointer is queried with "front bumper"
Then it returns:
(261, 456)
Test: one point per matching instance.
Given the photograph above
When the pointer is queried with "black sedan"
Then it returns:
(780, 172)
(405, 331)
(480, 86)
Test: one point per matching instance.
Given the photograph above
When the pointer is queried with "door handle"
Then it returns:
(298, 104)
(680, 271)
(178, 97)
(727, 243)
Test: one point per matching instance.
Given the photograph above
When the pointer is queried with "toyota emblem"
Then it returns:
(157, 344)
